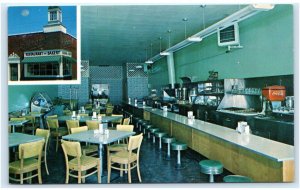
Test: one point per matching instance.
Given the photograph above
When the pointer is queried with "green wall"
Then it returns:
(267, 40)
(19, 95)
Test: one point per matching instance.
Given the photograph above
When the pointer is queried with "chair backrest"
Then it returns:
(51, 116)
(88, 106)
(71, 149)
(72, 124)
(109, 110)
(126, 121)
(135, 142)
(83, 114)
(34, 112)
(128, 128)
(78, 129)
(52, 123)
(30, 118)
(67, 112)
(43, 133)
(17, 118)
(32, 149)
(92, 125)
(120, 120)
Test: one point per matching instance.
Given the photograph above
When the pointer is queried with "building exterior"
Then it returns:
(47, 55)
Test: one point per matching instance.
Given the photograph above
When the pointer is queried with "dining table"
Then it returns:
(15, 124)
(83, 119)
(94, 137)
(15, 139)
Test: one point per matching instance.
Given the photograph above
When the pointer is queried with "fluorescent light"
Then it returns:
(139, 66)
(194, 39)
(149, 61)
(164, 53)
(131, 70)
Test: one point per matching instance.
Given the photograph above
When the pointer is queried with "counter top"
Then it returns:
(266, 147)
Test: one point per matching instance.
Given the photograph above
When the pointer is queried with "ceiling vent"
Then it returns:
(229, 35)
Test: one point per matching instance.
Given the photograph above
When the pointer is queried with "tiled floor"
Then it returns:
(154, 168)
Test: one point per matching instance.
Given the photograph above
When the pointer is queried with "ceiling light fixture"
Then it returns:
(238, 16)
(138, 66)
(194, 39)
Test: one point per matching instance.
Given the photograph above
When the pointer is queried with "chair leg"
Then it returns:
(67, 175)
(79, 176)
(129, 173)
(121, 171)
(56, 143)
(21, 178)
(138, 171)
(40, 175)
(83, 178)
(98, 168)
(45, 160)
(29, 174)
(108, 170)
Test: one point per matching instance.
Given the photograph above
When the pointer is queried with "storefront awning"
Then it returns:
(47, 59)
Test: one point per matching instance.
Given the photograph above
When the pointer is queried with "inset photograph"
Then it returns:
(42, 43)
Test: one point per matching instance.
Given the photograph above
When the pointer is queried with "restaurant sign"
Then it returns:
(47, 53)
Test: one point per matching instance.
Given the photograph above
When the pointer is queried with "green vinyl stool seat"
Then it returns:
(211, 167)
(237, 179)
(143, 123)
(146, 126)
(153, 130)
(179, 146)
(168, 140)
(139, 121)
(160, 134)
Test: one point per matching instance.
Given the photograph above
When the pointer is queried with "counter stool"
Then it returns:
(237, 179)
(144, 123)
(138, 122)
(153, 130)
(134, 120)
(148, 132)
(211, 167)
(160, 134)
(178, 146)
(168, 140)
(147, 127)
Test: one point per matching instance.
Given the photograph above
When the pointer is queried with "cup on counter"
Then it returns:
(165, 108)
(190, 114)
(247, 129)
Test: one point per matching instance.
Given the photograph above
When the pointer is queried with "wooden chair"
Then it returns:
(123, 145)
(56, 131)
(92, 125)
(91, 150)
(72, 124)
(88, 106)
(79, 162)
(126, 121)
(83, 114)
(67, 112)
(109, 110)
(30, 126)
(46, 134)
(117, 122)
(129, 157)
(30, 155)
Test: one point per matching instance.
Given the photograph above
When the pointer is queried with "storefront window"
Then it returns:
(67, 69)
(13, 72)
(43, 69)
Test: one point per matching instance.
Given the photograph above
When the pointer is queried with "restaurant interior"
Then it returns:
(167, 94)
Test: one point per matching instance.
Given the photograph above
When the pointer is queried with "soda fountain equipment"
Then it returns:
(272, 95)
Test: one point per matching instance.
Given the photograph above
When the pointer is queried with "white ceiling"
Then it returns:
(115, 35)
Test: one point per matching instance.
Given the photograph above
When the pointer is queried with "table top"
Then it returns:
(15, 139)
(105, 119)
(275, 150)
(17, 122)
(91, 137)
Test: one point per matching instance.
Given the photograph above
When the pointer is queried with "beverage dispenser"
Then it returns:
(272, 94)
